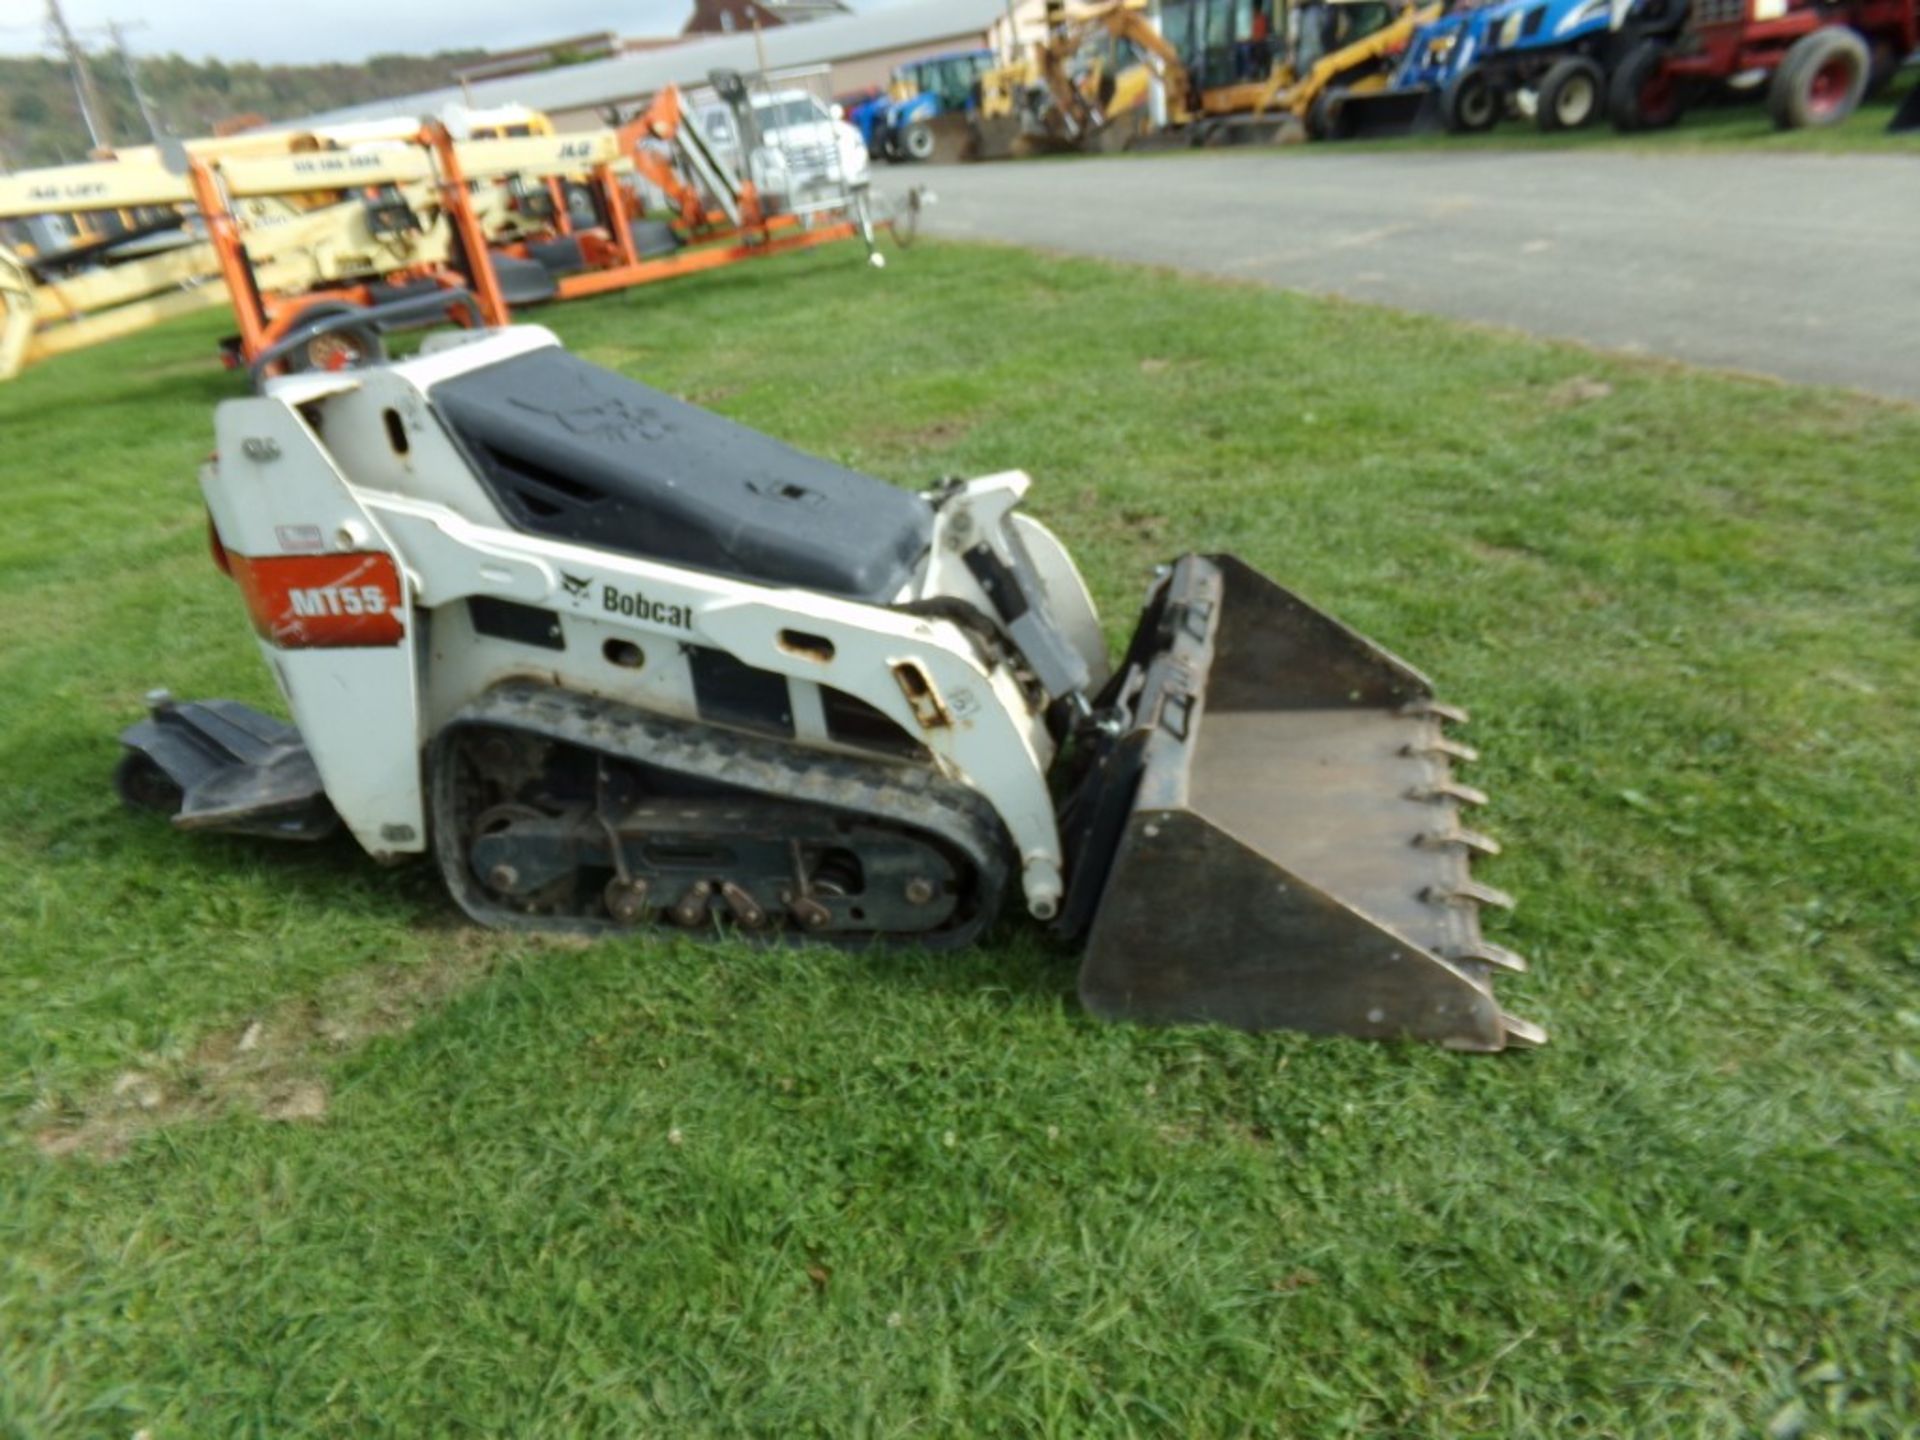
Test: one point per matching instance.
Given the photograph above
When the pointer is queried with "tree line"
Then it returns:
(41, 122)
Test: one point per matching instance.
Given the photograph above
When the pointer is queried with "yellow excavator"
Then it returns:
(1089, 85)
(1313, 50)
(1228, 72)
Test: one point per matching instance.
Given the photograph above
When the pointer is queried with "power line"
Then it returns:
(91, 110)
(147, 116)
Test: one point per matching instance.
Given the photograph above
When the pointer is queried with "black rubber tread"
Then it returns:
(1454, 103)
(1564, 73)
(900, 794)
(1787, 97)
(1626, 84)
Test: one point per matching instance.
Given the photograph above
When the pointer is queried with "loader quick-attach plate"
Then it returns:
(1281, 845)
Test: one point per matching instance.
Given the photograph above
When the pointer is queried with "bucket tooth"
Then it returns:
(1449, 790)
(1256, 863)
(1467, 892)
(1442, 749)
(1523, 1034)
(1488, 953)
(1471, 841)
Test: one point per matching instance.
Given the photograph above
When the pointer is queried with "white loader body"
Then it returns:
(337, 473)
(617, 663)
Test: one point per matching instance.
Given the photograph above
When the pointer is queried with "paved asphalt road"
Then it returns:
(1803, 267)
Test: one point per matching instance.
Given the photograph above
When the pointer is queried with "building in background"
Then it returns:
(859, 52)
(1022, 23)
(574, 50)
(729, 17)
(709, 17)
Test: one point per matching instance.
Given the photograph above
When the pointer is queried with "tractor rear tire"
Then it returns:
(1470, 104)
(1641, 95)
(1572, 96)
(1821, 81)
(918, 141)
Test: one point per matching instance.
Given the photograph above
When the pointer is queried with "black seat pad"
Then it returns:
(578, 453)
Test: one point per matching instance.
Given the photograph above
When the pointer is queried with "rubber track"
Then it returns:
(905, 795)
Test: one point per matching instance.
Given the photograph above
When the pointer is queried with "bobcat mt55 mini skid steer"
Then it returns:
(618, 664)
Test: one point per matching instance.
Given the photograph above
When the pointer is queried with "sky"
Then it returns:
(297, 31)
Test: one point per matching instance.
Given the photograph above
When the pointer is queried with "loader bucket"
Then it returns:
(1385, 114)
(951, 138)
(1281, 845)
(992, 139)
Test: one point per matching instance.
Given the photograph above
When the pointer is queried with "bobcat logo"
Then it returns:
(613, 421)
(577, 585)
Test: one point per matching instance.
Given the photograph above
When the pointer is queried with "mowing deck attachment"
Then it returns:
(1284, 831)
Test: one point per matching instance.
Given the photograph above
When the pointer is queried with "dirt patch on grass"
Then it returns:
(1568, 394)
(271, 1064)
(923, 437)
(1577, 390)
(1494, 550)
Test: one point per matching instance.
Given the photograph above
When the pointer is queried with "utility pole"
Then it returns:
(760, 49)
(91, 110)
(147, 116)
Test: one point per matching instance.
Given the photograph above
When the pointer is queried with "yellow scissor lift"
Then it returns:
(305, 231)
(49, 312)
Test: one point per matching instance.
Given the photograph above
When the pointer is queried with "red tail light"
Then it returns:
(220, 556)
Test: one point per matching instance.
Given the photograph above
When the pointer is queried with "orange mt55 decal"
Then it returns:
(321, 602)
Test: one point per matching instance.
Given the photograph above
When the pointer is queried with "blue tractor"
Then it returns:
(1546, 58)
(923, 114)
(1551, 59)
(1410, 103)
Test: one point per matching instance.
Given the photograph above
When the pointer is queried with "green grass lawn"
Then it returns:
(286, 1150)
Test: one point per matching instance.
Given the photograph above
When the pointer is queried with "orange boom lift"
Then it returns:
(445, 264)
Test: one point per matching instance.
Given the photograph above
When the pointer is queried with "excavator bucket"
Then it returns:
(995, 138)
(1280, 832)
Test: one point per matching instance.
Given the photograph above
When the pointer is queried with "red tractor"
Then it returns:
(1822, 58)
